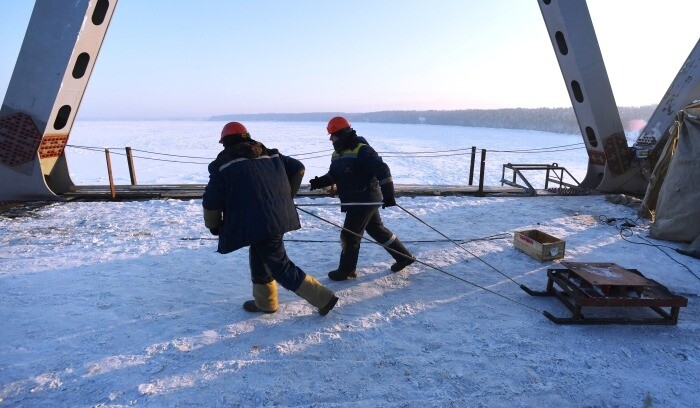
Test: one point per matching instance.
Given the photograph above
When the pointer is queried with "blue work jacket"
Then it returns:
(249, 184)
(358, 172)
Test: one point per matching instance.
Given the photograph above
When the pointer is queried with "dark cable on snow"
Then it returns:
(625, 225)
(460, 246)
(414, 241)
(423, 263)
(417, 241)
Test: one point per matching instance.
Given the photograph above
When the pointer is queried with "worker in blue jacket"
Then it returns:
(363, 183)
(249, 202)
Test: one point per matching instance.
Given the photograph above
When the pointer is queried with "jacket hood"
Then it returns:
(349, 142)
(249, 149)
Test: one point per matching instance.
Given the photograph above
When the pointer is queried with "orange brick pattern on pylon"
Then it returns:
(52, 145)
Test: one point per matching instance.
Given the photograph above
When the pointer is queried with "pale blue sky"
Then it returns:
(195, 59)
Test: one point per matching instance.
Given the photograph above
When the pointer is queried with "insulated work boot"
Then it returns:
(403, 258)
(327, 308)
(264, 298)
(316, 294)
(249, 306)
(399, 265)
(337, 275)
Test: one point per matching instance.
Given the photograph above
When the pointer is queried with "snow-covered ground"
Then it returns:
(113, 304)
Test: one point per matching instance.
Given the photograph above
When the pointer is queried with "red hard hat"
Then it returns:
(336, 124)
(233, 128)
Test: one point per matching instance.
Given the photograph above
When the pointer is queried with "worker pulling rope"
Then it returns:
(422, 262)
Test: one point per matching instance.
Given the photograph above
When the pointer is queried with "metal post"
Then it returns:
(480, 193)
(561, 178)
(471, 166)
(130, 161)
(112, 192)
(503, 175)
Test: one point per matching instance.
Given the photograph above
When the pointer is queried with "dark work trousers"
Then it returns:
(268, 261)
(358, 219)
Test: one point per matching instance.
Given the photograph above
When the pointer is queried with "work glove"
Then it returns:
(388, 199)
(388, 202)
(315, 183)
(214, 231)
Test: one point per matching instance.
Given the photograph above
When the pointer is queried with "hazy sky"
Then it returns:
(194, 59)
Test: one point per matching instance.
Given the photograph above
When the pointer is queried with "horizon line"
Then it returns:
(213, 117)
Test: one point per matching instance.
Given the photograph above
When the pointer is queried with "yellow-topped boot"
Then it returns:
(316, 294)
(264, 298)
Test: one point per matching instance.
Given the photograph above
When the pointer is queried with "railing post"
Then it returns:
(503, 174)
(130, 162)
(471, 166)
(112, 191)
(480, 192)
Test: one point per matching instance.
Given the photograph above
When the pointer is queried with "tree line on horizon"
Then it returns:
(555, 120)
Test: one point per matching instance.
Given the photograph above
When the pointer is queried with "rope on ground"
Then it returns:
(377, 204)
(410, 241)
(456, 243)
(423, 263)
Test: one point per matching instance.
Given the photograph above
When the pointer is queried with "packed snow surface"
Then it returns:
(115, 304)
